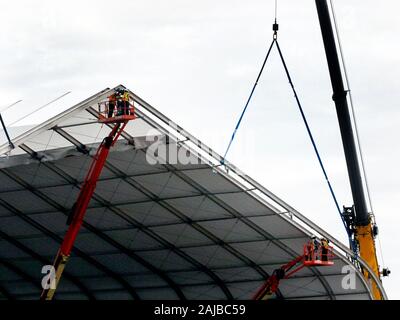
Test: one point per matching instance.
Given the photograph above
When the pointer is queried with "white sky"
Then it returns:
(196, 61)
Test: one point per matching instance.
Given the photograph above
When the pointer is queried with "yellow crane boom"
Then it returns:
(360, 226)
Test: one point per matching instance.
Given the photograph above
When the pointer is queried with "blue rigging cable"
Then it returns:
(275, 28)
(247, 103)
(351, 242)
(309, 130)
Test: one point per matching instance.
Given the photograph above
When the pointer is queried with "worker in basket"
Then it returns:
(112, 99)
(120, 103)
(123, 102)
(324, 249)
(317, 246)
(125, 99)
(313, 252)
(310, 250)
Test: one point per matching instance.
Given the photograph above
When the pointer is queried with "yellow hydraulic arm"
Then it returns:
(366, 243)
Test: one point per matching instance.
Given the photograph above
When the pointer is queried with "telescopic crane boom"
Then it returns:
(360, 224)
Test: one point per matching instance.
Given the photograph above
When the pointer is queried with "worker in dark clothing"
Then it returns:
(316, 246)
(120, 102)
(111, 105)
(325, 249)
(312, 249)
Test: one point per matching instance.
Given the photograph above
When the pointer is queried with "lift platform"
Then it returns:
(315, 254)
(114, 112)
(119, 115)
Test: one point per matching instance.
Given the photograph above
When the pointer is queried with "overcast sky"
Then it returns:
(196, 61)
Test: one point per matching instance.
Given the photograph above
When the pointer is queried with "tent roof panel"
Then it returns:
(195, 227)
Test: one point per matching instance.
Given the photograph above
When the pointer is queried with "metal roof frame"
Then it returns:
(229, 172)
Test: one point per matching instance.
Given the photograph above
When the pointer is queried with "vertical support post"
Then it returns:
(6, 132)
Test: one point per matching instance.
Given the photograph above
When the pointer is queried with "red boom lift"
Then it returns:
(119, 117)
(314, 255)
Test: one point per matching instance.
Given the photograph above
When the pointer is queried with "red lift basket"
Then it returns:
(116, 116)
(314, 255)
(317, 255)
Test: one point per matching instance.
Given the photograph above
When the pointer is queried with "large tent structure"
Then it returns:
(192, 229)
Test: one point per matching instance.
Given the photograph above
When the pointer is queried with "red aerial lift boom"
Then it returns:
(315, 254)
(119, 118)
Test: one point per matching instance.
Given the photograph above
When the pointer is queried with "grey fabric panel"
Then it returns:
(182, 235)
(213, 256)
(211, 181)
(149, 213)
(199, 208)
(26, 202)
(204, 292)
(245, 204)
(166, 185)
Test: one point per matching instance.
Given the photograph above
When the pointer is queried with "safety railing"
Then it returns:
(117, 111)
(316, 254)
